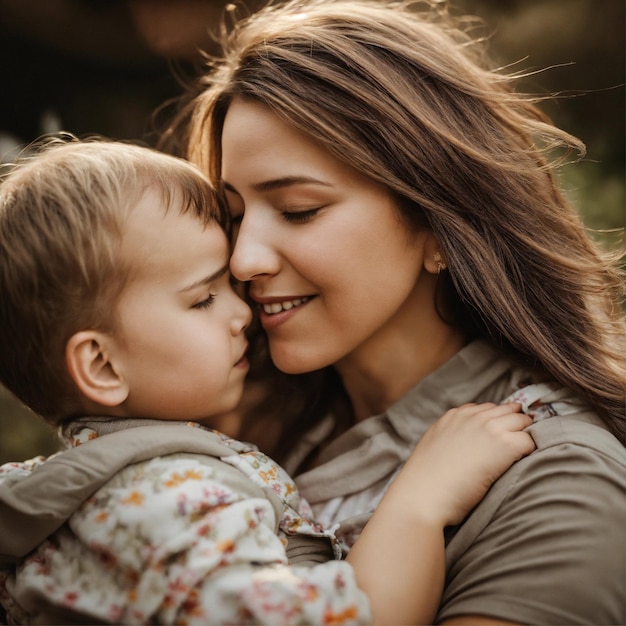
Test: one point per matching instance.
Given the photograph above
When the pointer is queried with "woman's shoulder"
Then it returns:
(579, 434)
(558, 512)
(569, 436)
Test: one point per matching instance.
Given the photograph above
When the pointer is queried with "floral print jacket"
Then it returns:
(180, 538)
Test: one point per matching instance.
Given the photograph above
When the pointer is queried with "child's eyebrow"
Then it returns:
(206, 280)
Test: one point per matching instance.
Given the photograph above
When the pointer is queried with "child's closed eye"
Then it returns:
(206, 303)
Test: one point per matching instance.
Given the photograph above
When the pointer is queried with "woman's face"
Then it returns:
(336, 273)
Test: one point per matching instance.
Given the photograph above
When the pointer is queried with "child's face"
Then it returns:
(181, 326)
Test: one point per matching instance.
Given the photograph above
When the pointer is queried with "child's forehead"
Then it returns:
(187, 193)
(155, 234)
(172, 206)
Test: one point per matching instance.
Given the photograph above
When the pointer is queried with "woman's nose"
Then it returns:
(254, 255)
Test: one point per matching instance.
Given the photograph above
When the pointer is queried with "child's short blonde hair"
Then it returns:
(63, 208)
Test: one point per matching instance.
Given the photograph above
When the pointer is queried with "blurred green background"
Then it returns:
(105, 66)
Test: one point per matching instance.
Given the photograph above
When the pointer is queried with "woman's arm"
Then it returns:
(399, 558)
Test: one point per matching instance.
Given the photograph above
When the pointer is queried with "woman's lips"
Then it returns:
(272, 308)
(276, 311)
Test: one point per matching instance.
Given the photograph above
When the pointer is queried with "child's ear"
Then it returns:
(90, 358)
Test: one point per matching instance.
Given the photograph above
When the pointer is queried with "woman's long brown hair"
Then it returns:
(405, 97)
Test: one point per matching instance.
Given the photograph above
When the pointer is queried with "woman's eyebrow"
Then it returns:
(280, 183)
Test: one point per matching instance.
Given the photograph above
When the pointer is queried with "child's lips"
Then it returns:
(243, 360)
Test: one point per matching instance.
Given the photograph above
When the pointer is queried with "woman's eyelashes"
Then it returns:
(293, 212)
(293, 217)
(299, 217)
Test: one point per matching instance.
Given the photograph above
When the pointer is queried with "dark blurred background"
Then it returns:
(108, 66)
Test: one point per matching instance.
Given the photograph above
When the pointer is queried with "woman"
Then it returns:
(405, 241)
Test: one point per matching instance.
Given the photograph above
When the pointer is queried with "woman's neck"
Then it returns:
(377, 377)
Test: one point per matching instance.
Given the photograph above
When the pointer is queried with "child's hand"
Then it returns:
(458, 459)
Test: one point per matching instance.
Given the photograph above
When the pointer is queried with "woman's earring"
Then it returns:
(441, 264)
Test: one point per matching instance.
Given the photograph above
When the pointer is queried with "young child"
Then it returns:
(119, 325)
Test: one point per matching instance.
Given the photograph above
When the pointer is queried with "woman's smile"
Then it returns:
(273, 314)
(283, 305)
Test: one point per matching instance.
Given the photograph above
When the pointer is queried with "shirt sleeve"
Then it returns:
(189, 540)
(553, 551)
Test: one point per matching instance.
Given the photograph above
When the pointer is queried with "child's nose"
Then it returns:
(242, 318)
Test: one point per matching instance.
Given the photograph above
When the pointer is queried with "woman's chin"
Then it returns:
(296, 361)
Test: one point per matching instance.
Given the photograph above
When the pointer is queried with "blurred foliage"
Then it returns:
(22, 433)
(92, 66)
(576, 50)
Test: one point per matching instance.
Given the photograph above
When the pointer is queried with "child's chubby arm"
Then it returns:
(399, 558)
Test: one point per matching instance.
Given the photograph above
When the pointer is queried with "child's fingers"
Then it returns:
(525, 443)
(509, 428)
(470, 409)
(486, 409)
(481, 413)
(504, 417)
(497, 410)
(510, 421)
(506, 423)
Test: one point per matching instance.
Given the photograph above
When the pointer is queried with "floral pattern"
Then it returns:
(168, 541)
(543, 400)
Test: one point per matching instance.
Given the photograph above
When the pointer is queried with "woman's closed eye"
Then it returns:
(299, 217)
